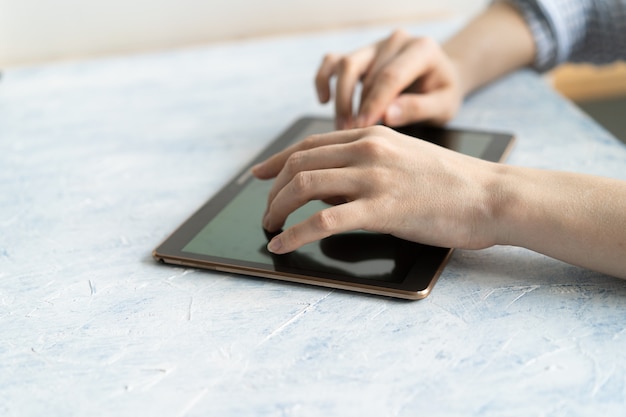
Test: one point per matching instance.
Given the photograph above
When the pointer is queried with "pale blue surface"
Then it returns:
(100, 160)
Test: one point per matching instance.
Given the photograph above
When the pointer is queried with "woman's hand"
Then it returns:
(387, 182)
(404, 79)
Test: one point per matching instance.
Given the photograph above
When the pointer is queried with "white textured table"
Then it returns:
(100, 160)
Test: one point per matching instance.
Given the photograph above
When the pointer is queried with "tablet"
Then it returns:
(226, 235)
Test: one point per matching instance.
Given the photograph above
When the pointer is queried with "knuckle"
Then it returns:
(377, 130)
(301, 183)
(426, 43)
(329, 58)
(309, 142)
(371, 147)
(294, 161)
(399, 34)
(325, 221)
(347, 65)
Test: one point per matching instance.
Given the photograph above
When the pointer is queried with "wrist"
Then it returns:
(504, 204)
(492, 44)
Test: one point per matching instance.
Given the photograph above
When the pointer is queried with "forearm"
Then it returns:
(579, 219)
(494, 43)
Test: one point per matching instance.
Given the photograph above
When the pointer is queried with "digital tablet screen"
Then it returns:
(226, 233)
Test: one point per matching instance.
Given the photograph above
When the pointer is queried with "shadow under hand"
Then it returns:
(358, 255)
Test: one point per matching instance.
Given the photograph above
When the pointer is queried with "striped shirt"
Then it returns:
(591, 31)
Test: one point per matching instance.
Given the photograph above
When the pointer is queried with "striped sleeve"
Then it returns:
(575, 30)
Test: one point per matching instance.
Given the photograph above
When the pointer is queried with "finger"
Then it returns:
(385, 51)
(415, 60)
(438, 106)
(307, 186)
(322, 79)
(311, 160)
(307, 161)
(275, 163)
(330, 221)
(349, 71)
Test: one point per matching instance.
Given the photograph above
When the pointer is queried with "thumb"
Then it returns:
(437, 107)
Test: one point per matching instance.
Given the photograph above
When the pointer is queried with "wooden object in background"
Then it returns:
(588, 82)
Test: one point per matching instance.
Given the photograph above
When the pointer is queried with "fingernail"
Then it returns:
(275, 245)
(394, 113)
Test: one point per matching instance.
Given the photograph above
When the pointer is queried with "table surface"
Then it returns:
(101, 159)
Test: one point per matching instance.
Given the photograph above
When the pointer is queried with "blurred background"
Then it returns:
(34, 32)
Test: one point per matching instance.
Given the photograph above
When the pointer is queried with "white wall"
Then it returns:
(40, 30)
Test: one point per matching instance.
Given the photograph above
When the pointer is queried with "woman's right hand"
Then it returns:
(382, 181)
(404, 79)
